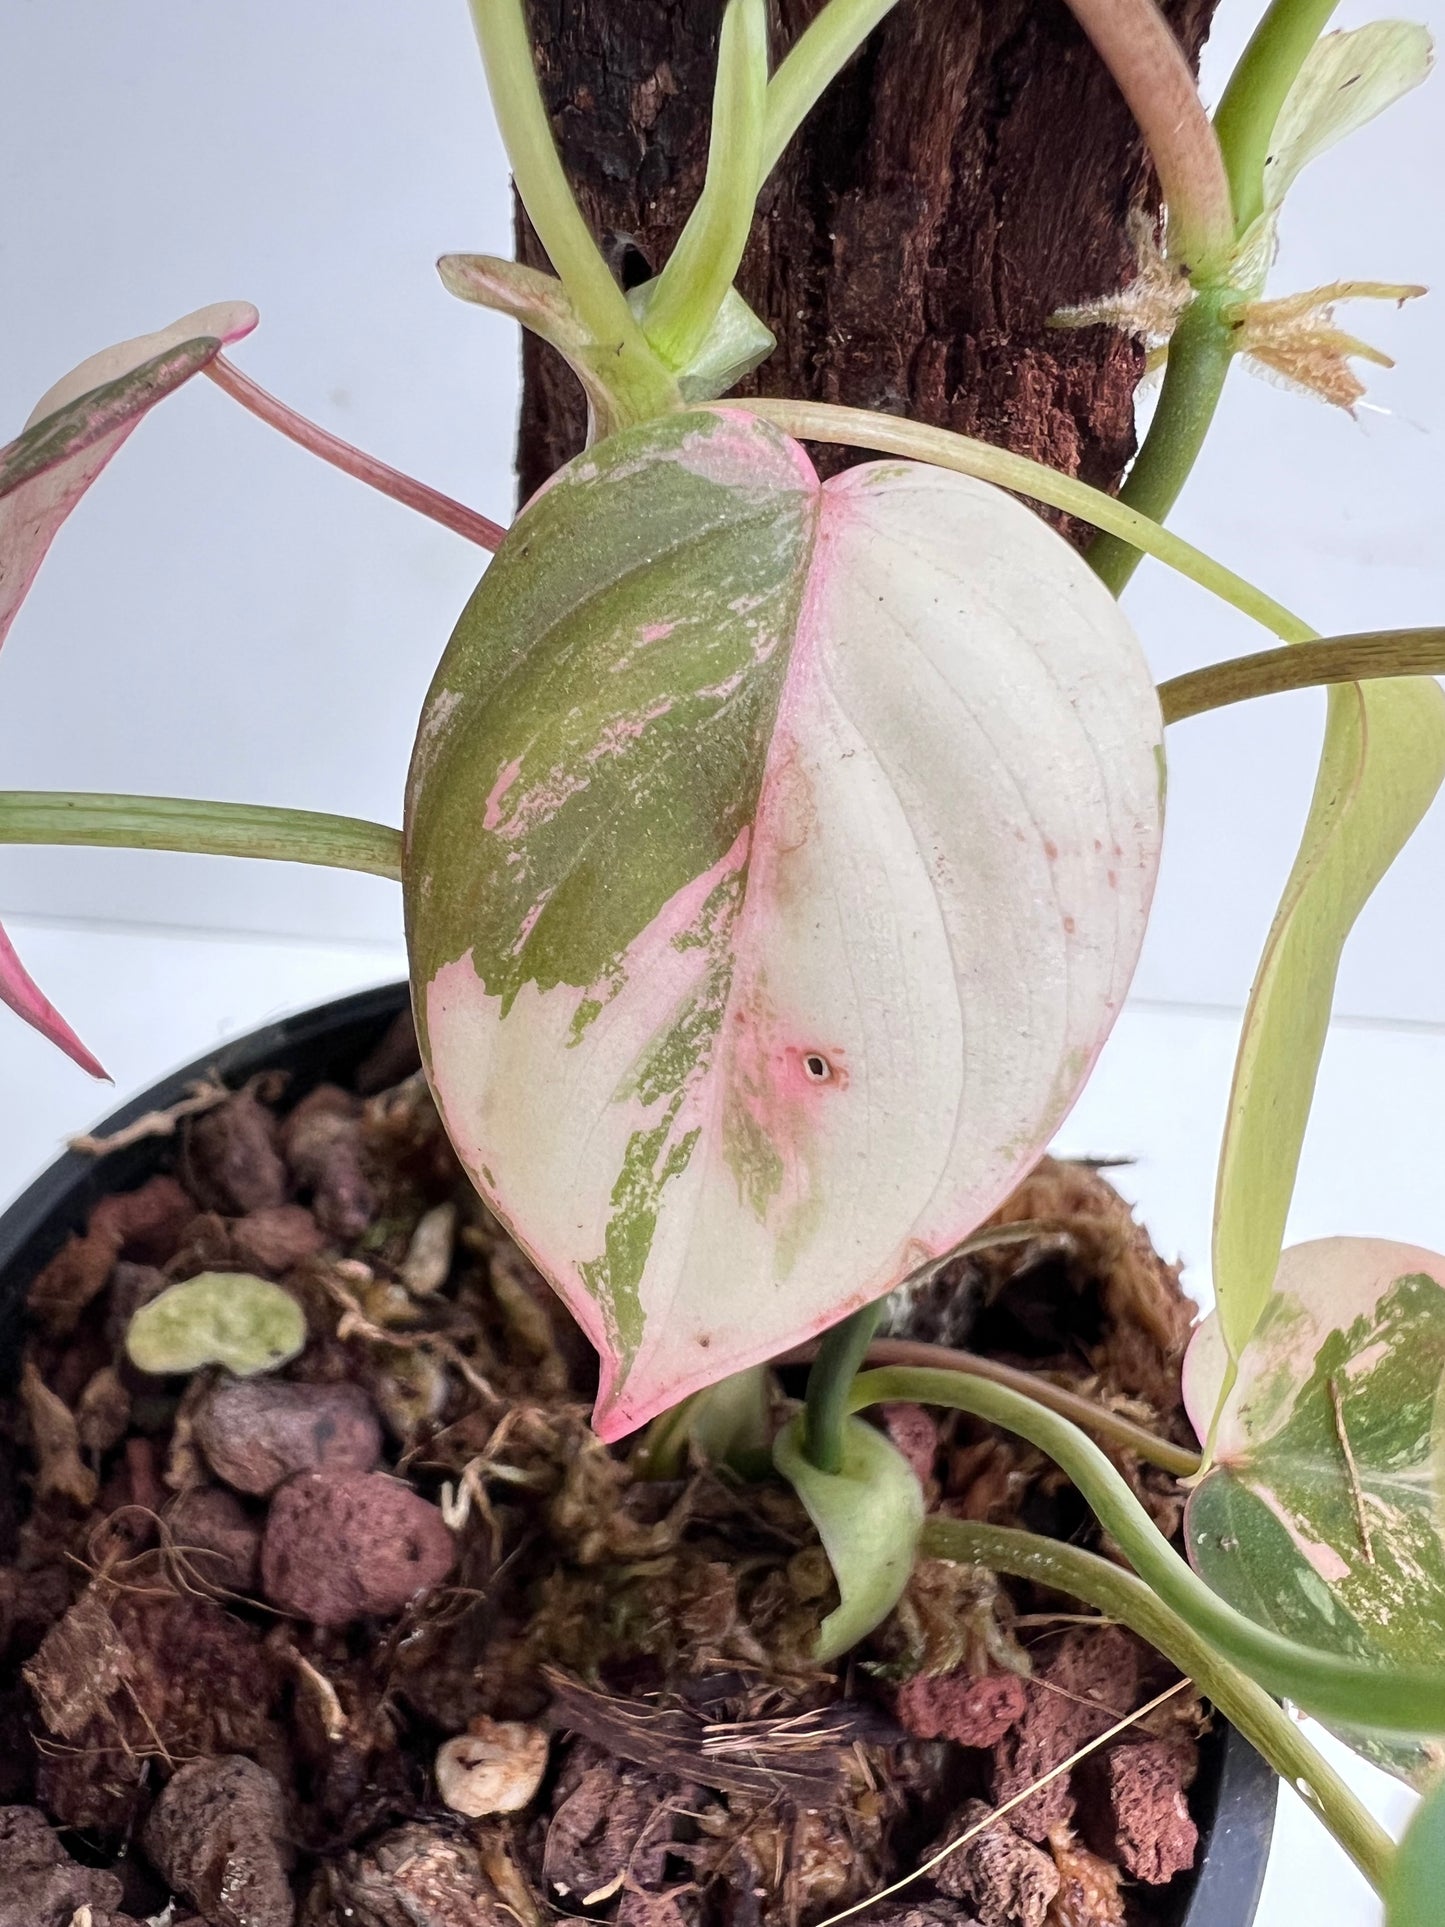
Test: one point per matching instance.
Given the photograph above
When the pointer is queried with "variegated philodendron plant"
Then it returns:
(778, 852)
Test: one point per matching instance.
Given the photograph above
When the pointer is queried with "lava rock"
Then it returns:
(40, 1885)
(342, 1546)
(1155, 1837)
(218, 1834)
(256, 1434)
(232, 1159)
(323, 1144)
(915, 1433)
(414, 1877)
(970, 1710)
(1074, 1697)
(217, 1538)
(1007, 1880)
(275, 1239)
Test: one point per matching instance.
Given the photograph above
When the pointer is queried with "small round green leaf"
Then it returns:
(224, 1318)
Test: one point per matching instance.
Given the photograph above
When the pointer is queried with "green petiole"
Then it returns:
(638, 380)
(814, 61)
(1122, 1596)
(700, 269)
(1403, 1699)
(1249, 110)
(1200, 351)
(830, 1380)
(201, 829)
(858, 428)
(1304, 665)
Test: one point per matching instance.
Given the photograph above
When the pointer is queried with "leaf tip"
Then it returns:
(20, 993)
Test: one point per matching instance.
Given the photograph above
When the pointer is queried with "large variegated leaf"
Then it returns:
(1319, 1517)
(73, 432)
(778, 855)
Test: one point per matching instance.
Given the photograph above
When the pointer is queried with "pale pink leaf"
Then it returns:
(79, 424)
(72, 433)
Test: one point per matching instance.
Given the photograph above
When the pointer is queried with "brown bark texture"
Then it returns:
(970, 172)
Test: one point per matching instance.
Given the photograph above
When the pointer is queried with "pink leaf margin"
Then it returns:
(77, 426)
(74, 430)
(20, 992)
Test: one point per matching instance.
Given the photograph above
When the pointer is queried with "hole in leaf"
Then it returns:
(629, 263)
(817, 1067)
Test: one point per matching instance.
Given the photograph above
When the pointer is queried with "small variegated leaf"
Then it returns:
(73, 432)
(777, 858)
(868, 1514)
(1347, 79)
(79, 424)
(1318, 1516)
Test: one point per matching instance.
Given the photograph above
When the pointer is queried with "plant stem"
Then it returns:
(814, 60)
(1084, 1412)
(1137, 45)
(1200, 348)
(698, 273)
(1394, 1698)
(353, 461)
(1247, 114)
(637, 378)
(830, 1382)
(858, 428)
(1200, 351)
(1105, 1586)
(202, 829)
(727, 1421)
(1304, 665)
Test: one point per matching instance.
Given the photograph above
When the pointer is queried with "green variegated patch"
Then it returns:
(777, 857)
(1319, 1517)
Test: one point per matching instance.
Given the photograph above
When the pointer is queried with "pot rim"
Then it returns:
(1238, 1828)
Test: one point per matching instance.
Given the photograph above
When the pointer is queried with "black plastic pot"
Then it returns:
(1235, 1795)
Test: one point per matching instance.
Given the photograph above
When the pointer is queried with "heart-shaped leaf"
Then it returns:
(778, 855)
(1318, 1517)
(868, 1514)
(73, 432)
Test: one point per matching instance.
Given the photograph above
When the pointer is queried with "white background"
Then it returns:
(225, 618)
